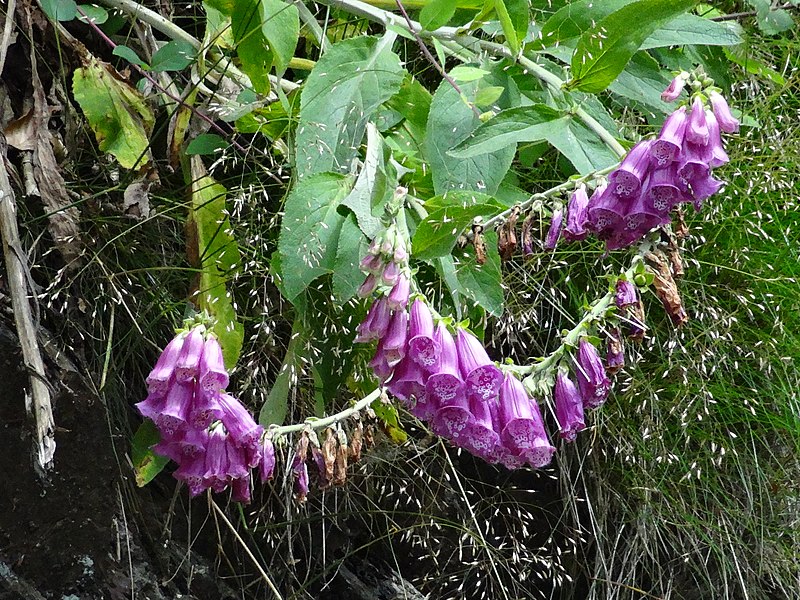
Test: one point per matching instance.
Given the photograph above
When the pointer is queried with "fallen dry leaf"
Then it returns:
(666, 288)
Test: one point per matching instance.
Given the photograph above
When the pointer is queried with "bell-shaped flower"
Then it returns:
(697, 127)
(188, 364)
(664, 191)
(372, 264)
(482, 379)
(392, 347)
(555, 229)
(569, 406)
(176, 409)
(626, 181)
(445, 383)
(408, 380)
(593, 381)
(502, 454)
(577, 216)
(667, 147)
(204, 409)
(674, 89)
(523, 429)
(422, 348)
(300, 472)
(453, 419)
(159, 378)
(217, 463)
(369, 285)
(244, 431)
(703, 188)
(380, 366)
(151, 407)
(606, 211)
(398, 297)
(213, 374)
(727, 122)
(266, 467)
(626, 294)
(424, 407)
(240, 489)
(390, 274)
(188, 443)
(192, 472)
(481, 439)
(376, 323)
(715, 152)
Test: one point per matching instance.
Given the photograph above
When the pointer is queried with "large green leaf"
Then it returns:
(309, 237)
(582, 147)
(347, 275)
(570, 21)
(450, 122)
(482, 283)
(643, 81)
(514, 16)
(265, 33)
(217, 257)
(524, 124)
(117, 113)
(351, 80)
(448, 216)
(146, 463)
(437, 13)
(276, 406)
(691, 29)
(605, 49)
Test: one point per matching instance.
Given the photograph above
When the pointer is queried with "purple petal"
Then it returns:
(593, 382)
(569, 406)
(187, 366)
(577, 216)
(482, 378)
(398, 297)
(626, 181)
(727, 122)
(267, 466)
(697, 128)
(674, 89)
(668, 146)
(555, 229)
(213, 375)
(158, 379)
(422, 348)
(445, 382)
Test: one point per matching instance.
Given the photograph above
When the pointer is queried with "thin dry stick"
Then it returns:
(38, 402)
(257, 565)
(430, 57)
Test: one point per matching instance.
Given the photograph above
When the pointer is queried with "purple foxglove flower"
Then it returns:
(369, 285)
(184, 445)
(668, 146)
(372, 264)
(158, 379)
(606, 210)
(422, 348)
(243, 430)
(205, 409)
(240, 489)
(626, 181)
(482, 379)
(453, 419)
(398, 297)
(694, 164)
(626, 293)
(393, 345)
(727, 122)
(703, 188)
(151, 407)
(480, 438)
(391, 274)
(187, 366)
(569, 406)
(697, 128)
(523, 429)
(376, 323)
(593, 382)
(400, 255)
(175, 411)
(445, 382)
(577, 216)
(380, 366)
(615, 352)
(715, 152)
(267, 466)
(408, 381)
(664, 191)
(300, 471)
(555, 229)
(640, 219)
(674, 89)
(217, 463)
(425, 407)
(192, 472)
(213, 374)
(502, 454)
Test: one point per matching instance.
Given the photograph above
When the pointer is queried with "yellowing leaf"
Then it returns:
(117, 113)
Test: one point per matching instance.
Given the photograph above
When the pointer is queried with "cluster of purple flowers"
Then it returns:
(657, 175)
(386, 266)
(210, 434)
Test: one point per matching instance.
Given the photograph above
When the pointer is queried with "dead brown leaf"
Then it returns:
(527, 236)
(666, 288)
(507, 236)
(479, 243)
(20, 133)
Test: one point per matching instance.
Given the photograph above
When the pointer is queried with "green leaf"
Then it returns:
(173, 56)
(642, 81)
(450, 122)
(59, 10)
(691, 29)
(514, 17)
(605, 49)
(146, 463)
(751, 64)
(572, 20)
(370, 191)
(524, 124)
(276, 406)
(308, 241)
(387, 413)
(448, 216)
(217, 258)
(465, 74)
(488, 95)
(129, 55)
(482, 283)
(265, 33)
(347, 275)
(347, 85)
(582, 147)
(94, 14)
(117, 113)
(437, 13)
(771, 21)
(207, 143)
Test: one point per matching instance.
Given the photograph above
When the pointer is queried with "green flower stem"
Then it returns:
(327, 421)
(168, 28)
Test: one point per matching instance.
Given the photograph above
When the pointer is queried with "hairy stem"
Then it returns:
(331, 420)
